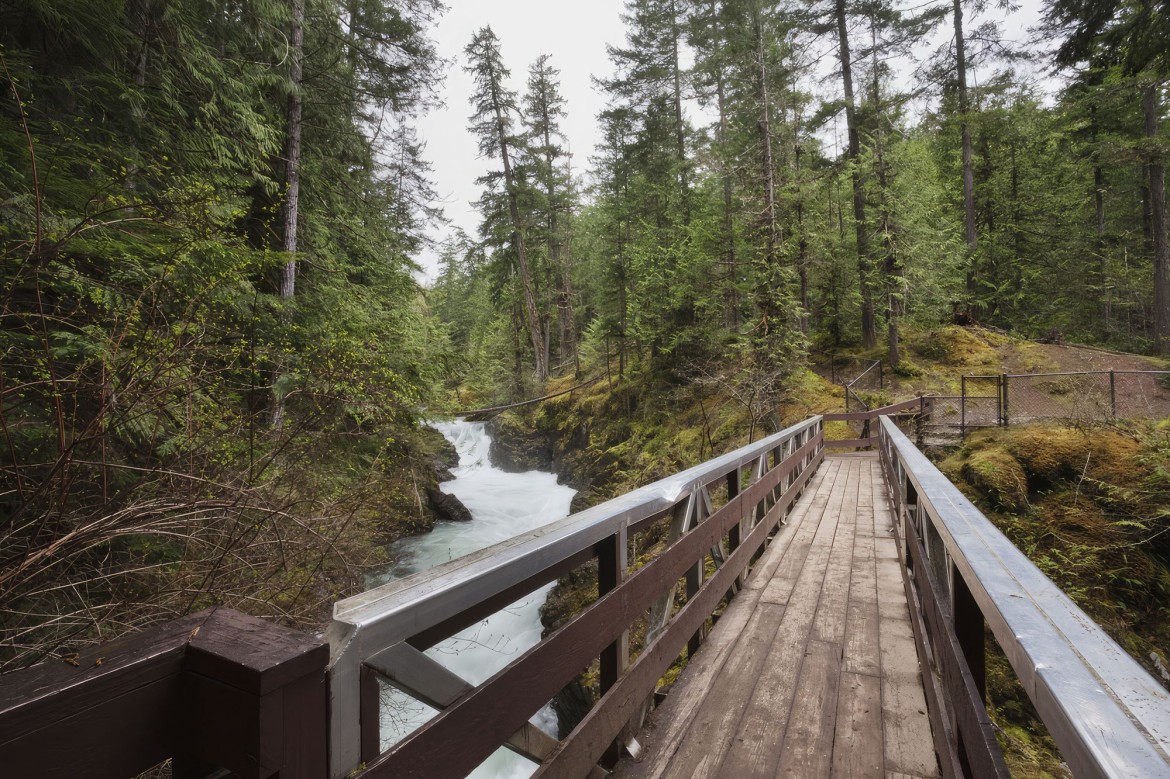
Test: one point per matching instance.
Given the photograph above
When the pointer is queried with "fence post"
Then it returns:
(881, 376)
(1003, 403)
(1112, 393)
(963, 406)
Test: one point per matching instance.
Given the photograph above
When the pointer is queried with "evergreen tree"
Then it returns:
(494, 106)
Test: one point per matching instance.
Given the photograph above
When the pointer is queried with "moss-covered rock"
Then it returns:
(517, 445)
(1050, 452)
(1000, 476)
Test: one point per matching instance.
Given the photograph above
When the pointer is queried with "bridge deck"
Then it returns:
(812, 671)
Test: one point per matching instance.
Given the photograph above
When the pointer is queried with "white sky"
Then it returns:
(575, 33)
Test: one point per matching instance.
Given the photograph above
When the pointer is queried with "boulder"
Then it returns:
(447, 506)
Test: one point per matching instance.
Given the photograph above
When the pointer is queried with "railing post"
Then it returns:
(735, 533)
(968, 623)
(612, 563)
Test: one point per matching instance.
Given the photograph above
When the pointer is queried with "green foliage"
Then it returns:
(142, 329)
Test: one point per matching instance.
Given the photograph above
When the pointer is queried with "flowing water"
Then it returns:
(502, 505)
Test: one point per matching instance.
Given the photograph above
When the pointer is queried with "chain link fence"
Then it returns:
(1086, 397)
(1079, 397)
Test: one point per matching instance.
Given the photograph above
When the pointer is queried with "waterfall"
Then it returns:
(502, 505)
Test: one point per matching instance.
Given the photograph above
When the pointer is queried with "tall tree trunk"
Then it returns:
(965, 138)
(731, 289)
(864, 263)
(679, 127)
(532, 314)
(557, 250)
(969, 231)
(893, 269)
(1102, 259)
(288, 279)
(767, 172)
(802, 236)
(1157, 170)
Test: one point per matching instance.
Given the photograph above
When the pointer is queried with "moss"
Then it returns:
(1047, 452)
(1028, 749)
(999, 475)
(953, 345)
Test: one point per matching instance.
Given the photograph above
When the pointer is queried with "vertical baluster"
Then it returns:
(969, 629)
(371, 704)
(695, 572)
(735, 534)
(612, 564)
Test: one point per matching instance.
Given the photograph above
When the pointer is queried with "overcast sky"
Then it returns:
(575, 33)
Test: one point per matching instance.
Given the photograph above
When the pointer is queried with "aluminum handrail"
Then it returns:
(378, 619)
(1109, 717)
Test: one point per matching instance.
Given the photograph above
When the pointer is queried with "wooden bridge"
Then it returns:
(833, 608)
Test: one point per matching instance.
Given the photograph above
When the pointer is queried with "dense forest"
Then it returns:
(216, 350)
(719, 218)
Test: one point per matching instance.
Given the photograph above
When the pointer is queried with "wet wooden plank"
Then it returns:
(808, 743)
(829, 625)
(696, 746)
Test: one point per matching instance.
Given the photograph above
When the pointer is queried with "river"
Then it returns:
(502, 505)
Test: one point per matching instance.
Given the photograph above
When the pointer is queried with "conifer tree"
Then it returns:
(544, 107)
(491, 122)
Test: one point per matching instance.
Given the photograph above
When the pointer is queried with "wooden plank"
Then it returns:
(754, 751)
(829, 710)
(673, 721)
(808, 513)
(808, 741)
(862, 650)
(829, 624)
(858, 745)
(52, 691)
(851, 443)
(731, 693)
(711, 728)
(587, 741)
(779, 588)
(909, 747)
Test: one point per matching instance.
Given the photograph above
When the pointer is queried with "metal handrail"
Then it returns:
(1106, 713)
(422, 609)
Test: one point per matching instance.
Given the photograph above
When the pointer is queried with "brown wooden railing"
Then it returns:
(214, 690)
(906, 410)
(1109, 717)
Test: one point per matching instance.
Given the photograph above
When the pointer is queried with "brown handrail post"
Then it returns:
(612, 564)
(213, 690)
(969, 629)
